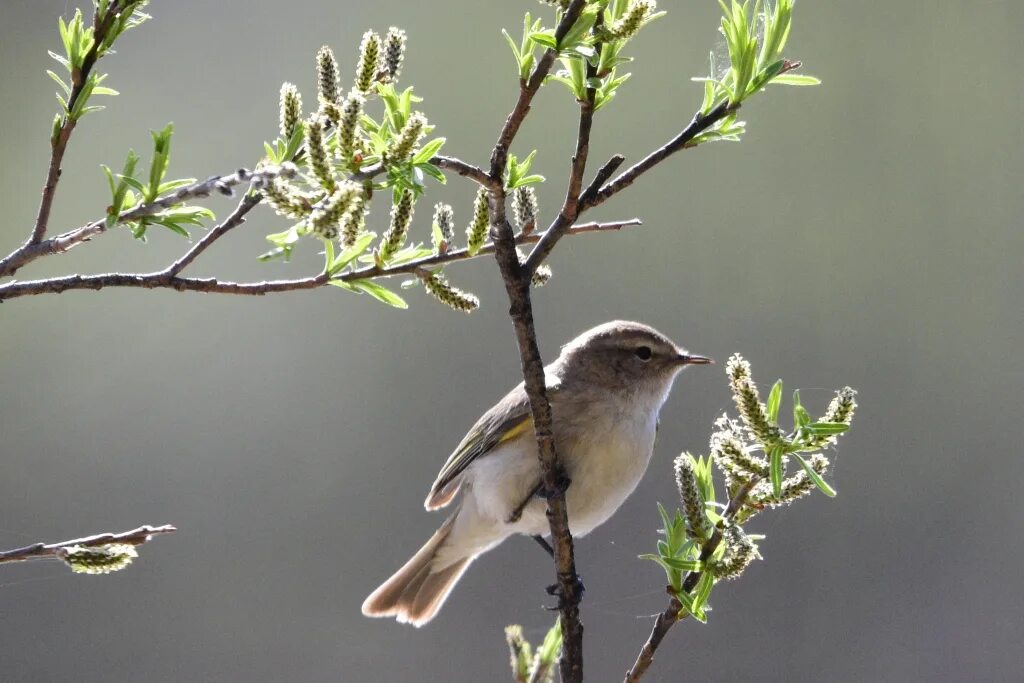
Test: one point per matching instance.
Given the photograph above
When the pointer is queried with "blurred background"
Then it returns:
(865, 232)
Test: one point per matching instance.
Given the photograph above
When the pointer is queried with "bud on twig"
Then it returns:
(629, 23)
(394, 237)
(101, 559)
(353, 221)
(392, 55)
(318, 157)
(740, 551)
(366, 70)
(438, 286)
(443, 234)
(291, 110)
(753, 412)
(689, 494)
(326, 218)
(525, 208)
(405, 142)
(841, 410)
(797, 486)
(732, 457)
(476, 233)
(286, 199)
(347, 124)
(328, 81)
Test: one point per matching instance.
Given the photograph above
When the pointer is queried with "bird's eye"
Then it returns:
(643, 353)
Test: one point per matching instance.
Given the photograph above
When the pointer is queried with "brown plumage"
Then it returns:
(415, 593)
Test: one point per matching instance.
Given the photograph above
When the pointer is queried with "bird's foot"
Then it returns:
(562, 483)
(576, 593)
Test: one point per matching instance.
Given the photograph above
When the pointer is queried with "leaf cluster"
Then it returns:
(83, 46)
(755, 35)
(529, 666)
(705, 540)
(373, 140)
(128, 192)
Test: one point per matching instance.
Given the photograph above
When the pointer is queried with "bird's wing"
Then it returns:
(508, 419)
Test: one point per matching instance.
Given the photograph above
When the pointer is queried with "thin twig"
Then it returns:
(40, 551)
(166, 279)
(222, 184)
(464, 169)
(667, 619)
(699, 124)
(236, 218)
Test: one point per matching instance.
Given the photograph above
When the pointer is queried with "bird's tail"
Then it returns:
(415, 593)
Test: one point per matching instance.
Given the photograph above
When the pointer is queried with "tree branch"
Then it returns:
(699, 124)
(222, 184)
(517, 285)
(464, 169)
(41, 551)
(169, 279)
(667, 619)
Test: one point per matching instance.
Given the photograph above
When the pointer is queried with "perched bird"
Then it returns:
(606, 389)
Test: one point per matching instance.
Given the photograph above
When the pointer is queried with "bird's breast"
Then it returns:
(605, 461)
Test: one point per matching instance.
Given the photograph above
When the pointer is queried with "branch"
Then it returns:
(670, 616)
(464, 169)
(169, 278)
(517, 285)
(41, 551)
(699, 124)
(223, 184)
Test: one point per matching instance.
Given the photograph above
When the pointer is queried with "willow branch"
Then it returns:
(464, 169)
(699, 124)
(222, 184)
(517, 286)
(169, 279)
(42, 551)
(667, 619)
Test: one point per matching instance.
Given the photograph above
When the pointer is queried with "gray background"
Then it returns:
(865, 232)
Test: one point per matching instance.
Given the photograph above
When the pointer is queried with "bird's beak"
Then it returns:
(686, 359)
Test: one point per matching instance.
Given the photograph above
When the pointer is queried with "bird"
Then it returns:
(606, 390)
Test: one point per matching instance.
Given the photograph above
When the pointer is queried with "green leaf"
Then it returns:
(776, 469)
(63, 86)
(774, 401)
(827, 428)
(665, 519)
(702, 591)
(172, 185)
(795, 79)
(428, 151)
(683, 565)
(351, 253)
(379, 292)
(801, 418)
(545, 39)
(815, 477)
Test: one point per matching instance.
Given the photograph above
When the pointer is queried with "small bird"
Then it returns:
(606, 389)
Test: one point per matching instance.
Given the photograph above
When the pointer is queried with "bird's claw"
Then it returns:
(555, 590)
(562, 483)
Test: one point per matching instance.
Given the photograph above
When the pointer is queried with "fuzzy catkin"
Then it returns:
(392, 55)
(450, 296)
(318, 157)
(753, 412)
(366, 69)
(476, 233)
(328, 81)
(689, 495)
(405, 142)
(444, 219)
(291, 111)
(401, 217)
